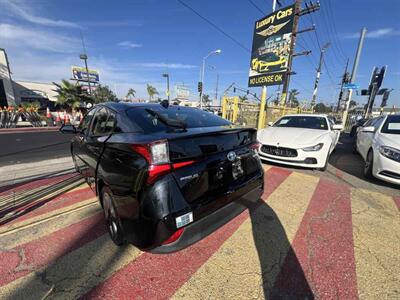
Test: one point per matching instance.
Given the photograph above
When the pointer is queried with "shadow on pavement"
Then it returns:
(345, 160)
(282, 274)
(16, 205)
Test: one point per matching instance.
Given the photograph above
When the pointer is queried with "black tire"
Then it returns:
(113, 222)
(369, 163)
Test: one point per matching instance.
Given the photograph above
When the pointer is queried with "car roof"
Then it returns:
(120, 106)
(306, 115)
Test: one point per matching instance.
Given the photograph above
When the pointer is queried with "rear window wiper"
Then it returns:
(167, 121)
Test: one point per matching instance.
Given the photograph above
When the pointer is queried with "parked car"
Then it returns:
(378, 142)
(359, 123)
(300, 140)
(166, 176)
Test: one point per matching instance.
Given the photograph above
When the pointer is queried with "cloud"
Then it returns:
(129, 44)
(111, 23)
(166, 65)
(18, 11)
(375, 34)
(12, 35)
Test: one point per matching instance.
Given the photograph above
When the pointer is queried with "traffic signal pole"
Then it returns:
(321, 59)
(353, 73)
(344, 80)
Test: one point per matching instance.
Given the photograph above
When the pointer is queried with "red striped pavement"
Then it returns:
(397, 202)
(43, 206)
(323, 247)
(159, 276)
(20, 187)
(29, 257)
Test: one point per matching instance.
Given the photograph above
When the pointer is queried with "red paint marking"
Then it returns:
(322, 254)
(154, 276)
(273, 177)
(20, 187)
(339, 173)
(43, 206)
(46, 250)
(397, 202)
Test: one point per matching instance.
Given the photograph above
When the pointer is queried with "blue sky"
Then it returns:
(132, 43)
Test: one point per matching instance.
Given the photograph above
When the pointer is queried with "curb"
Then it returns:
(28, 129)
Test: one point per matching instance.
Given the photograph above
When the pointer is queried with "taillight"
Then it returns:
(255, 146)
(157, 155)
(176, 235)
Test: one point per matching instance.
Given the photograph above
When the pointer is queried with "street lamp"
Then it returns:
(218, 51)
(84, 57)
(166, 75)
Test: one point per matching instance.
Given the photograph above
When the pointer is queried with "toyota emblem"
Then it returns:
(231, 156)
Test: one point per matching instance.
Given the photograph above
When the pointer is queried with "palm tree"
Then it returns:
(71, 95)
(131, 93)
(293, 97)
(151, 90)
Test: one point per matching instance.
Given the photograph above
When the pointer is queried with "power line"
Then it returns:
(257, 7)
(215, 26)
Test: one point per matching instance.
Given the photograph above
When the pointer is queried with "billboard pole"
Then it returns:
(263, 103)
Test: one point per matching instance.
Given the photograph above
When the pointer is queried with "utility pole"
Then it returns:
(321, 59)
(310, 8)
(85, 57)
(166, 75)
(345, 79)
(216, 90)
(353, 73)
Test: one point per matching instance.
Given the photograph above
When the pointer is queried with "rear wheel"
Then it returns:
(369, 163)
(113, 222)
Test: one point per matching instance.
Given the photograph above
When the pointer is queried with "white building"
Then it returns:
(13, 93)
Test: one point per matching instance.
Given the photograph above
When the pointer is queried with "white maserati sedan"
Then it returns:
(299, 140)
(378, 142)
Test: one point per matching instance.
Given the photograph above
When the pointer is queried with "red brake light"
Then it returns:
(143, 150)
(176, 235)
(183, 164)
(156, 171)
(255, 146)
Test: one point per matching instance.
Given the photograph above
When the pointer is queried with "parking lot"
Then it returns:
(323, 235)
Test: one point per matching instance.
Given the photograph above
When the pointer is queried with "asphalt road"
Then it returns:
(26, 147)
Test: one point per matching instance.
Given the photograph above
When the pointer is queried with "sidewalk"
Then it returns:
(18, 173)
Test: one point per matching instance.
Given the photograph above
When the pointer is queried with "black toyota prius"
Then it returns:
(166, 176)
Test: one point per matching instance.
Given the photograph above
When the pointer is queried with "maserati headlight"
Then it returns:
(313, 148)
(390, 153)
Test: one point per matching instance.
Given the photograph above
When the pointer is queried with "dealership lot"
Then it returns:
(323, 235)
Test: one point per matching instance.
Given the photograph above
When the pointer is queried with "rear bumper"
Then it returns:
(208, 224)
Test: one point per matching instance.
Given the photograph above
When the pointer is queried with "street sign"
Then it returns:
(351, 86)
(271, 48)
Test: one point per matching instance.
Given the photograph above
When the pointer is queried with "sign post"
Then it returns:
(270, 53)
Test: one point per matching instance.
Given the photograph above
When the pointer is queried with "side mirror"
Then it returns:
(370, 129)
(68, 129)
(337, 127)
(270, 123)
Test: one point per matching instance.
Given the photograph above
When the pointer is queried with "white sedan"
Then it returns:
(299, 140)
(378, 142)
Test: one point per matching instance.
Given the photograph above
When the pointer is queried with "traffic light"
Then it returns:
(200, 87)
(248, 92)
(385, 98)
(234, 90)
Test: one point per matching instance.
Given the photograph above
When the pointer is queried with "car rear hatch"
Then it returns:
(217, 164)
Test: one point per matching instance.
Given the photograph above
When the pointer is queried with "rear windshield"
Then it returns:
(392, 125)
(191, 117)
(303, 122)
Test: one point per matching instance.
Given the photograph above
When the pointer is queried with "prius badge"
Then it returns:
(231, 156)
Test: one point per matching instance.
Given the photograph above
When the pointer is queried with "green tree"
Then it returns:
(322, 108)
(293, 93)
(131, 93)
(243, 98)
(102, 93)
(206, 99)
(71, 95)
(151, 90)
